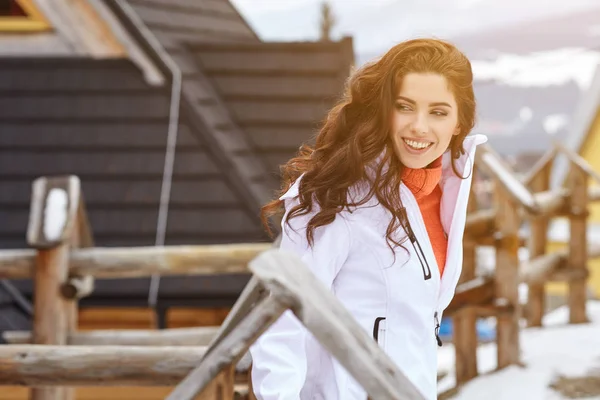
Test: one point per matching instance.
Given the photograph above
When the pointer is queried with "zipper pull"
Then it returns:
(437, 330)
(406, 225)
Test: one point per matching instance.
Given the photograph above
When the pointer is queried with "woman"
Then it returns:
(377, 212)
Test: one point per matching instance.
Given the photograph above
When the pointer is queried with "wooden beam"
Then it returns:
(480, 223)
(543, 164)
(476, 291)
(578, 161)
(465, 323)
(37, 365)
(201, 336)
(504, 176)
(538, 238)
(53, 217)
(578, 251)
(126, 262)
(507, 278)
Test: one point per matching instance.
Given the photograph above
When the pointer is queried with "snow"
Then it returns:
(548, 352)
(55, 213)
(540, 69)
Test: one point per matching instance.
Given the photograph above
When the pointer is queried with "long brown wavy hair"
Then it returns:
(357, 130)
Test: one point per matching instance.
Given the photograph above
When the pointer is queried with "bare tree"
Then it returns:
(327, 21)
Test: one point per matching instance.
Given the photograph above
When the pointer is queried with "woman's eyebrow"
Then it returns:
(436, 104)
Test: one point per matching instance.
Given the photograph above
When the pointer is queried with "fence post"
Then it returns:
(577, 259)
(54, 205)
(537, 241)
(507, 277)
(464, 323)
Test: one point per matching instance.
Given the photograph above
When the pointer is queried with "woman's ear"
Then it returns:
(457, 130)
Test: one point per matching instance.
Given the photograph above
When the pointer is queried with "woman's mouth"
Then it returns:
(415, 146)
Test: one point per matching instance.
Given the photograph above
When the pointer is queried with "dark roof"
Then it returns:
(99, 120)
(174, 21)
(277, 93)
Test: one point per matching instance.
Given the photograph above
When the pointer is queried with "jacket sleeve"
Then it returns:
(279, 359)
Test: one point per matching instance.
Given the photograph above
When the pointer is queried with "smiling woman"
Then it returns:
(376, 210)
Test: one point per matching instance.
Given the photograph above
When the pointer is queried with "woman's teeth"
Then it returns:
(417, 145)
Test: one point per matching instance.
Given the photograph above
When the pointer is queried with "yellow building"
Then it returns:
(584, 138)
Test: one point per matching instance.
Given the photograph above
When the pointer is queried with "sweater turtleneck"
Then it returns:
(424, 184)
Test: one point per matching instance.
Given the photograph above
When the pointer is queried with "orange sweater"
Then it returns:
(424, 184)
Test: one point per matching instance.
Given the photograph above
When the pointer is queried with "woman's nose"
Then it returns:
(419, 125)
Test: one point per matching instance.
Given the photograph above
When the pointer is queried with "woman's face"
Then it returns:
(424, 119)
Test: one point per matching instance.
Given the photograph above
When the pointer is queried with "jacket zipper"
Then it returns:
(415, 243)
(437, 329)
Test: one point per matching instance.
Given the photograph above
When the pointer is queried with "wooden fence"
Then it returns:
(55, 357)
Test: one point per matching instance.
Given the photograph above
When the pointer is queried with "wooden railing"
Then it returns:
(55, 357)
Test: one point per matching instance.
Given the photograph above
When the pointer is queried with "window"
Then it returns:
(21, 16)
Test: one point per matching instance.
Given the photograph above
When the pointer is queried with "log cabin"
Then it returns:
(113, 91)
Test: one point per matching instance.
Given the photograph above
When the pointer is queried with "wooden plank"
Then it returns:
(231, 347)
(143, 261)
(507, 278)
(491, 162)
(52, 223)
(182, 20)
(141, 219)
(58, 106)
(322, 63)
(269, 112)
(191, 6)
(47, 365)
(110, 163)
(536, 298)
(476, 291)
(100, 135)
(285, 275)
(201, 336)
(577, 161)
(578, 251)
(287, 86)
(464, 323)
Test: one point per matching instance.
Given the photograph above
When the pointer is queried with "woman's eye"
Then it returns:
(439, 113)
(402, 107)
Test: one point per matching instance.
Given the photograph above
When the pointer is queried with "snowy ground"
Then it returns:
(556, 350)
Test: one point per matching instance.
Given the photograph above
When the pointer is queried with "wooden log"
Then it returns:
(201, 336)
(135, 262)
(464, 323)
(538, 270)
(480, 223)
(231, 347)
(284, 274)
(480, 290)
(540, 183)
(507, 278)
(544, 163)
(578, 252)
(54, 205)
(579, 163)
(47, 365)
(505, 177)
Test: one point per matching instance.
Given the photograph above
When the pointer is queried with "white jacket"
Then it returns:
(399, 302)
